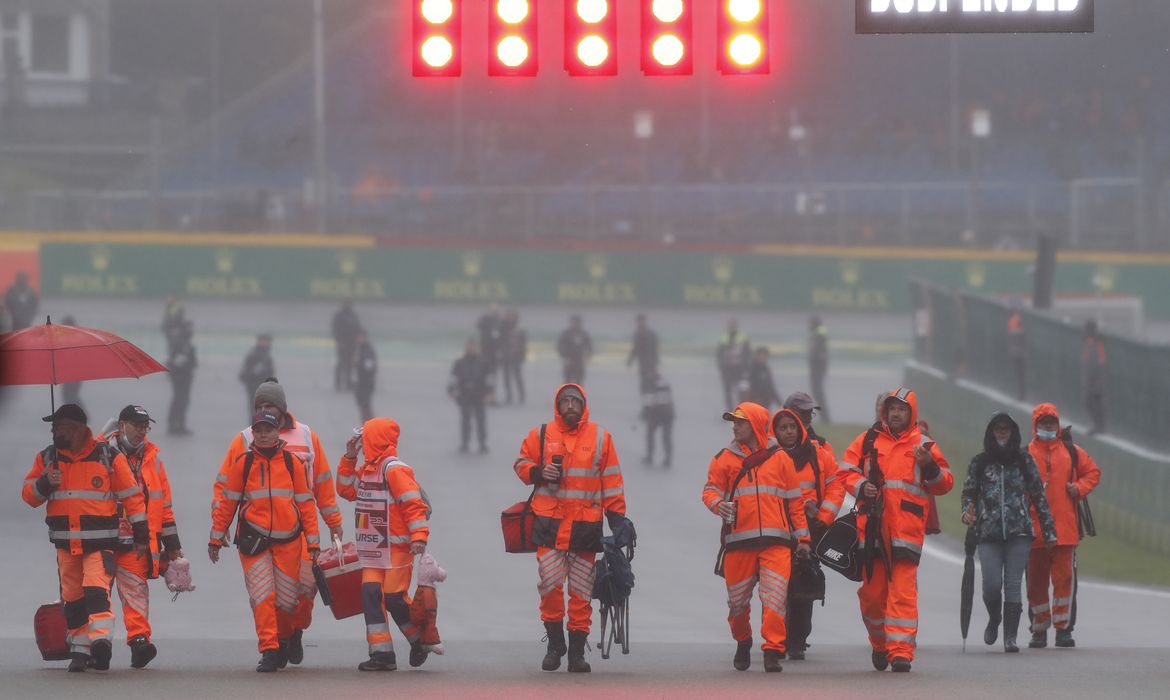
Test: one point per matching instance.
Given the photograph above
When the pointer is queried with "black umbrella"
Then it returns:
(967, 591)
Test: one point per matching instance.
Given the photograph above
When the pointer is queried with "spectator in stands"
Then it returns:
(21, 301)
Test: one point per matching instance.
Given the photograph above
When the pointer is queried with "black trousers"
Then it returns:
(575, 373)
(469, 410)
(817, 375)
(730, 378)
(343, 370)
(180, 399)
(799, 623)
(512, 373)
(363, 394)
(667, 427)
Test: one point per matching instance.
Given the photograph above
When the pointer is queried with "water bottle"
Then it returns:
(557, 461)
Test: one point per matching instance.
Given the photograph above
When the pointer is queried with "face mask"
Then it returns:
(127, 444)
(1046, 435)
(1002, 443)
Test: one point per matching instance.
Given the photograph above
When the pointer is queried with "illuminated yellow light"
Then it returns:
(745, 49)
(512, 51)
(744, 10)
(592, 11)
(437, 51)
(667, 10)
(437, 11)
(668, 50)
(512, 11)
(593, 51)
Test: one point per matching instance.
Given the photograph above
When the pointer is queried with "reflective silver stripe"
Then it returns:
(313, 539)
(217, 535)
(283, 534)
(580, 471)
(330, 510)
(30, 481)
(1061, 601)
(847, 465)
(347, 479)
(221, 478)
(808, 485)
(399, 539)
(302, 497)
(378, 628)
(906, 544)
(907, 487)
(170, 530)
(609, 493)
(264, 493)
(829, 507)
(231, 495)
(800, 532)
(82, 535)
(830, 479)
(856, 490)
(600, 444)
(573, 493)
(1040, 608)
(408, 496)
(137, 518)
(611, 469)
(323, 477)
(155, 494)
(543, 490)
(126, 493)
(901, 637)
(902, 621)
(84, 495)
(757, 533)
(770, 490)
(416, 524)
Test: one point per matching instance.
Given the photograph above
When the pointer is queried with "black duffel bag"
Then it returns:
(837, 548)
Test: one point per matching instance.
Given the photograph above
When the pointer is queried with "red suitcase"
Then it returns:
(51, 633)
(339, 579)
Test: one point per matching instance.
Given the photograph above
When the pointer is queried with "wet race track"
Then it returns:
(488, 606)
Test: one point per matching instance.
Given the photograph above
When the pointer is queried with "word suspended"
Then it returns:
(591, 37)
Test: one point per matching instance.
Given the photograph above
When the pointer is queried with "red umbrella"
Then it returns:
(55, 354)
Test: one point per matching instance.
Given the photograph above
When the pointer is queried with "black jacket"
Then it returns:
(470, 379)
(365, 364)
(257, 367)
(574, 346)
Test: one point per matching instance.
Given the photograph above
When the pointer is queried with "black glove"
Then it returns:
(622, 528)
(931, 471)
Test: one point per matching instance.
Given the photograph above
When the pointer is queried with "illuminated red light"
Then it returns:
(591, 37)
(437, 37)
(742, 35)
(667, 37)
(512, 38)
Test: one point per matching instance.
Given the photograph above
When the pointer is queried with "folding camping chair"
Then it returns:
(612, 583)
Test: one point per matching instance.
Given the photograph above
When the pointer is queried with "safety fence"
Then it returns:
(967, 336)
(1132, 501)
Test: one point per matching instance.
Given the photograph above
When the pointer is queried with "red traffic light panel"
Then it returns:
(591, 37)
(741, 29)
(512, 38)
(437, 38)
(668, 37)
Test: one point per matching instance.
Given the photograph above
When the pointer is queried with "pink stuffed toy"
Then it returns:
(424, 609)
(178, 577)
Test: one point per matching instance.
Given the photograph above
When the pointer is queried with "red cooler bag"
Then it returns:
(516, 523)
(51, 633)
(339, 580)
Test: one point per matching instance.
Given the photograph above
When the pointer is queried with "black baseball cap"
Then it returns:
(69, 411)
(265, 417)
(134, 414)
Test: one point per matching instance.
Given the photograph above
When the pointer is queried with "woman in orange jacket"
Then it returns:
(391, 523)
(277, 513)
(756, 492)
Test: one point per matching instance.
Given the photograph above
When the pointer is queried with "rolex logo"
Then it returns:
(850, 272)
(1104, 278)
(347, 261)
(225, 261)
(100, 258)
(723, 267)
(976, 274)
(472, 263)
(595, 265)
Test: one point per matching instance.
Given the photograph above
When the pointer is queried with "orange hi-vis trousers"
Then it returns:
(85, 590)
(303, 617)
(1056, 567)
(556, 566)
(131, 576)
(889, 608)
(384, 590)
(771, 567)
(272, 578)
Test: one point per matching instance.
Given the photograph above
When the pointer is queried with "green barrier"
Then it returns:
(1133, 496)
(798, 279)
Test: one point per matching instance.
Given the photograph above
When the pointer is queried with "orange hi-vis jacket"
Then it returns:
(905, 490)
(277, 500)
(568, 513)
(769, 507)
(303, 442)
(82, 513)
(151, 476)
(391, 511)
(1055, 466)
(824, 480)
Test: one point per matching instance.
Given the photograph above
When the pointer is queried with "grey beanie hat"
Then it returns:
(272, 392)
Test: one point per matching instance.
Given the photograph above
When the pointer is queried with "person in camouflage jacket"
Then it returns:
(1002, 482)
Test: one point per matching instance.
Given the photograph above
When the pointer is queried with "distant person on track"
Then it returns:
(513, 352)
(577, 479)
(21, 301)
(818, 362)
(1093, 373)
(732, 356)
(365, 373)
(1002, 486)
(1069, 475)
(575, 348)
(345, 327)
(470, 385)
(174, 318)
(181, 364)
(658, 412)
(644, 351)
(257, 367)
(491, 338)
(760, 386)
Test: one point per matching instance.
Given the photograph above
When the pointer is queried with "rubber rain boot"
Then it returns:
(1011, 625)
(993, 603)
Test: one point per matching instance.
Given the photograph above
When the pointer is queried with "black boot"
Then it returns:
(379, 661)
(900, 664)
(418, 655)
(78, 662)
(577, 662)
(743, 655)
(993, 601)
(282, 655)
(879, 660)
(555, 634)
(141, 652)
(1039, 640)
(1065, 639)
(1011, 625)
(294, 649)
(101, 650)
(772, 661)
(269, 661)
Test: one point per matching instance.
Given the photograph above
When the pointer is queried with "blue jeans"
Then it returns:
(1003, 565)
